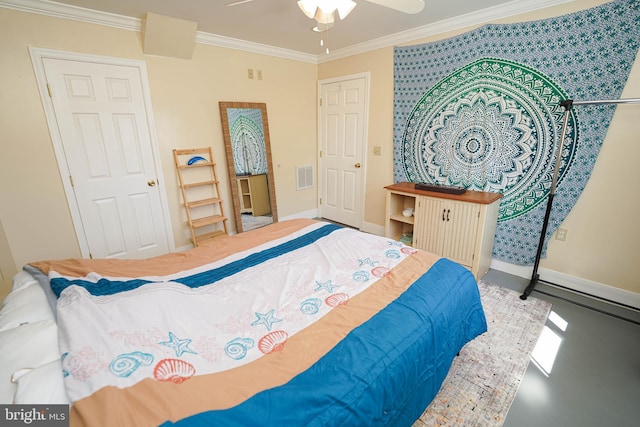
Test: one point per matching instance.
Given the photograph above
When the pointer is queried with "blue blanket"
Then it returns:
(385, 372)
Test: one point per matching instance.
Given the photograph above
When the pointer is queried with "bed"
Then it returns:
(301, 322)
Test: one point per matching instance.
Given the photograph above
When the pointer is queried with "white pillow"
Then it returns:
(27, 346)
(27, 304)
(22, 279)
(43, 385)
(43, 281)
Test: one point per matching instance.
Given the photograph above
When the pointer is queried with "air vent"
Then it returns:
(304, 177)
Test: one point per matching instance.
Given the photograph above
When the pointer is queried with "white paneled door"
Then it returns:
(104, 131)
(342, 136)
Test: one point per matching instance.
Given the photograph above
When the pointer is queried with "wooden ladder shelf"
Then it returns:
(200, 193)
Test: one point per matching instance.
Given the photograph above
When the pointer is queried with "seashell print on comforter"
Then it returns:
(299, 323)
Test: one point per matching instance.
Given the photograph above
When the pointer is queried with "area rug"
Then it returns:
(249, 222)
(485, 377)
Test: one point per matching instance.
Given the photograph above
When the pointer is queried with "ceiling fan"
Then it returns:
(323, 11)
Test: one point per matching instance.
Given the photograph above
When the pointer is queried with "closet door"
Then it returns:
(101, 124)
(342, 135)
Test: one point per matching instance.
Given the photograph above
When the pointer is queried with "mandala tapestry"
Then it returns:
(481, 111)
(247, 141)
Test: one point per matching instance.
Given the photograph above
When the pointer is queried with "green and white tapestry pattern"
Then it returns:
(247, 141)
(481, 110)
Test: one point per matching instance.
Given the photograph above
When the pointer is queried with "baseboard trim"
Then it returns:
(574, 283)
(371, 228)
(311, 213)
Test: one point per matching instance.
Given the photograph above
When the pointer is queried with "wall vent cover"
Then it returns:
(304, 176)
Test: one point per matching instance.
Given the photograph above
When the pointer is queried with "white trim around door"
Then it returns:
(359, 152)
(38, 57)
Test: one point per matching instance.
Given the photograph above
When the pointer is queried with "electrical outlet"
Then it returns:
(250, 73)
(377, 150)
(561, 234)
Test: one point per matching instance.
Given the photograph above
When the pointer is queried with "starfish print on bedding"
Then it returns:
(367, 261)
(327, 286)
(178, 345)
(266, 319)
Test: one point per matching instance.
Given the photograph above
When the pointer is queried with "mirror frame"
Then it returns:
(224, 106)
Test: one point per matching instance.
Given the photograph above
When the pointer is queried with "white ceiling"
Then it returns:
(281, 24)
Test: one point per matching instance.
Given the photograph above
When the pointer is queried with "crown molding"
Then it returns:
(480, 17)
(231, 43)
(515, 7)
(59, 10)
(65, 11)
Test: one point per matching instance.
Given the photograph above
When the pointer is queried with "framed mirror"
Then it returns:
(246, 140)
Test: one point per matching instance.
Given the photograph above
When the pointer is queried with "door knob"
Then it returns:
(357, 165)
(151, 183)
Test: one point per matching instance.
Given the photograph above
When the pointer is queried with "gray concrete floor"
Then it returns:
(595, 377)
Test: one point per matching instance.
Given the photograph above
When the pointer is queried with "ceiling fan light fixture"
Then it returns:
(324, 17)
(345, 7)
(308, 7)
(321, 28)
(321, 9)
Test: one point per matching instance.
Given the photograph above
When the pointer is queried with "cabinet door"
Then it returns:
(429, 230)
(461, 230)
(259, 195)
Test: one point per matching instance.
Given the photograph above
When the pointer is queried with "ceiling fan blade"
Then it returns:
(406, 6)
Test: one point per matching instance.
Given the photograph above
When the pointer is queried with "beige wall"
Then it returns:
(603, 229)
(185, 96)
